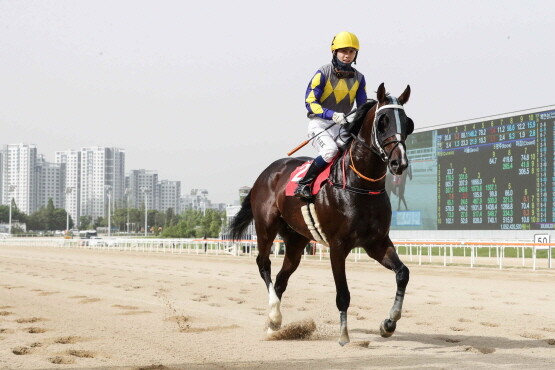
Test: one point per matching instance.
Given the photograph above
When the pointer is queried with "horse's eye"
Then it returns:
(382, 123)
(410, 126)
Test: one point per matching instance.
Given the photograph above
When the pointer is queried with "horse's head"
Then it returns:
(389, 130)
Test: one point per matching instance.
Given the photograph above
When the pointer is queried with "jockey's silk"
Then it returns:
(326, 93)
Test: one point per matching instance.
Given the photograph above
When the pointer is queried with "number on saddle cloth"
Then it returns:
(299, 172)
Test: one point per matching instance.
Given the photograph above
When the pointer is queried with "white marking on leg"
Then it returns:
(275, 313)
(396, 310)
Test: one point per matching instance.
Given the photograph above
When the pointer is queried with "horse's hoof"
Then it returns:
(387, 328)
(343, 341)
(273, 326)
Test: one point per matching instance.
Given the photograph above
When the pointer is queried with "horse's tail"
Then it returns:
(242, 220)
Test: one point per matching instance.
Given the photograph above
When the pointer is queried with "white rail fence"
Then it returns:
(446, 252)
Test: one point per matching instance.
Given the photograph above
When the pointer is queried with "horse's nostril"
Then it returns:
(394, 163)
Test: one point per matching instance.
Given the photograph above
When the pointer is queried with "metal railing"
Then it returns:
(442, 252)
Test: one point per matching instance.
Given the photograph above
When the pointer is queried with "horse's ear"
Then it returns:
(404, 96)
(381, 93)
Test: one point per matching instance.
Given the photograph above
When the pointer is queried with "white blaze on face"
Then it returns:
(402, 153)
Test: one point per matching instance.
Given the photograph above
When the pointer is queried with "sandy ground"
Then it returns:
(70, 308)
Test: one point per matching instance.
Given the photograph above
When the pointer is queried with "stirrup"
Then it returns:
(303, 191)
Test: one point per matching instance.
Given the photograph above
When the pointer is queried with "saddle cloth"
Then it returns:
(298, 174)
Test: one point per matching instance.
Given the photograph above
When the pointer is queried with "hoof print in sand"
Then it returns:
(48, 293)
(61, 360)
(81, 353)
(482, 350)
(35, 330)
(489, 324)
(67, 340)
(131, 310)
(21, 351)
(88, 300)
(29, 320)
(449, 340)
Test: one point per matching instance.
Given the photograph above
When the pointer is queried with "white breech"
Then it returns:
(328, 142)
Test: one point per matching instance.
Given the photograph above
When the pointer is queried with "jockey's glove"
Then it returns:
(339, 118)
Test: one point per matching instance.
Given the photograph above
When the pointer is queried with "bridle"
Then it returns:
(375, 145)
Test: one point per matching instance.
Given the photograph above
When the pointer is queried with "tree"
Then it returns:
(17, 215)
(85, 222)
(195, 224)
(48, 218)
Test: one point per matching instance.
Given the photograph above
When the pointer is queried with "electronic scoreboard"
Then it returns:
(497, 174)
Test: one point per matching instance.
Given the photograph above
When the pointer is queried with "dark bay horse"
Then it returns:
(353, 209)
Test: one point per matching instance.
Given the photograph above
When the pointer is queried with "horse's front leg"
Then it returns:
(390, 260)
(343, 296)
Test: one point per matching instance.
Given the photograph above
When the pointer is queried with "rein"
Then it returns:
(352, 166)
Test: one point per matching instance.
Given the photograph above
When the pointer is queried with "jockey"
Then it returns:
(330, 95)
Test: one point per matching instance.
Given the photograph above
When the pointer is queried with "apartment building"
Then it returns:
(50, 182)
(71, 159)
(170, 196)
(19, 176)
(143, 186)
(102, 176)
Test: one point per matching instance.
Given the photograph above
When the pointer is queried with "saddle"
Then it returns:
(300, 171)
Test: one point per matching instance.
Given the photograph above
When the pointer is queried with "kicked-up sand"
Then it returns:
(74, 308)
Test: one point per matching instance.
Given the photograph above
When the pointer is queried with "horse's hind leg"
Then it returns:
(294, 246)
(266, 231)
(388, 257)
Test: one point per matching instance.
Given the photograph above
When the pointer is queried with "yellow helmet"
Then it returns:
(344, 40)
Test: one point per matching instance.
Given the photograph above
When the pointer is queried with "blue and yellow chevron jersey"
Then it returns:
(326, 93)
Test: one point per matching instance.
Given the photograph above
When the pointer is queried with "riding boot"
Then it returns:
(304, 189)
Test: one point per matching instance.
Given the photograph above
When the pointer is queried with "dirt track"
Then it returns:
(66, 308)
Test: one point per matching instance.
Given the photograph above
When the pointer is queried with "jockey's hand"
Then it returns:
(339, 118)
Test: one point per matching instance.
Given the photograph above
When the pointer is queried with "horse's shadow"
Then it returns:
(480, 342)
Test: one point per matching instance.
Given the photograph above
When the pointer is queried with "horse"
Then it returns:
(397, 184)
(352, 208)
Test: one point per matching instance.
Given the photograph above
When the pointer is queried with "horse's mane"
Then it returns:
(356, 124)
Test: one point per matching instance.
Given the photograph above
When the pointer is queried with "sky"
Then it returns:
(210, 93)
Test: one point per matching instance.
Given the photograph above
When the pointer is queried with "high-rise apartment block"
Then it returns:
(143, 186)
(102, 176)
(84, 182)
(50, 183)
(170, 194)
(71, 159)
(19, 176)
